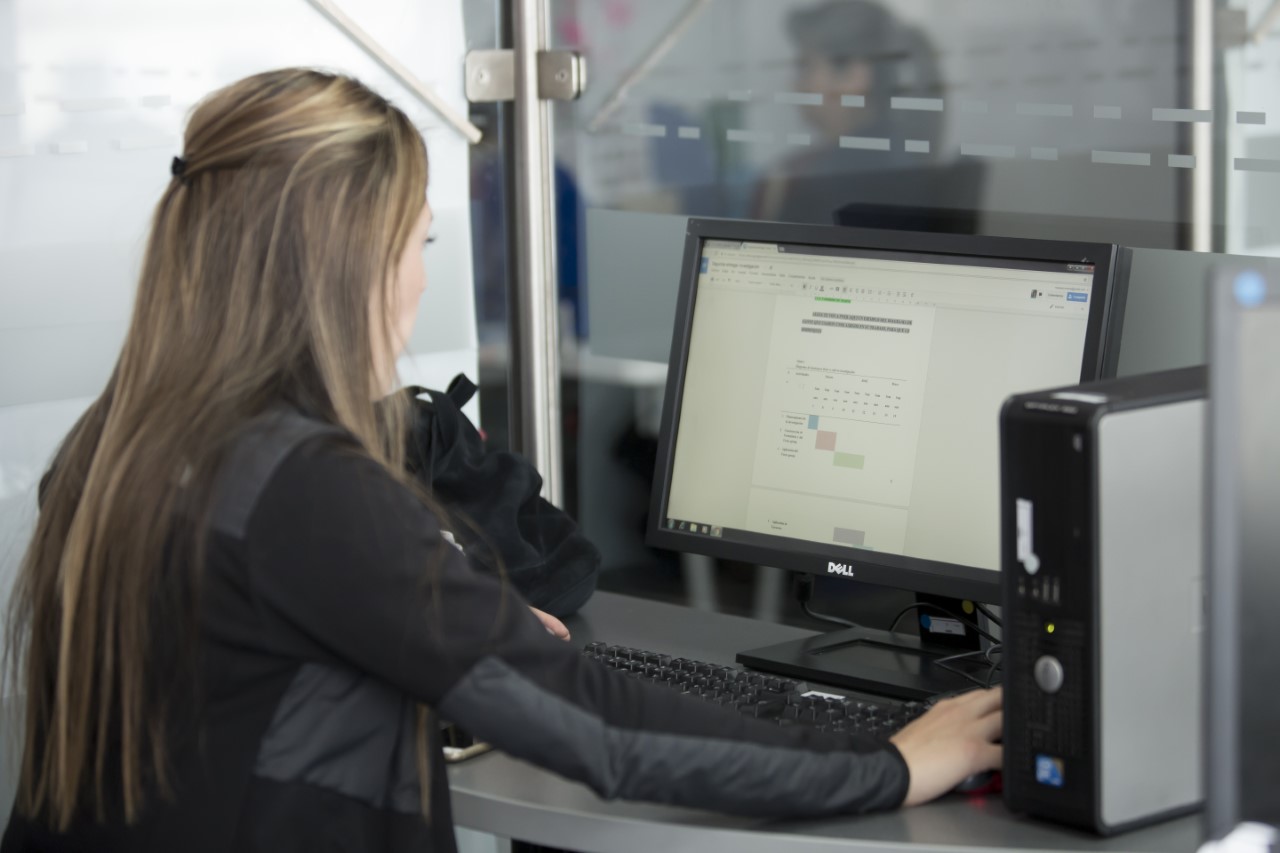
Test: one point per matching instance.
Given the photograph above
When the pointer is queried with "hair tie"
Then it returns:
(178, 168)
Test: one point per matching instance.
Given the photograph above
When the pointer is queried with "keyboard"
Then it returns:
(782, 701)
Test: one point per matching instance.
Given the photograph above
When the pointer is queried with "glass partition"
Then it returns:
(991, 116)
(1250, 40)
(93, 99)
(1138, 122)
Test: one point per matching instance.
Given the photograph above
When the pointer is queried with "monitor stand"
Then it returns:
(871, 661)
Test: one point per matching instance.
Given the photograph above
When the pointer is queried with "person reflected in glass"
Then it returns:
(855, 56)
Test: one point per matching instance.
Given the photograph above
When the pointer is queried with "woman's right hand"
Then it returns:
(954, 740)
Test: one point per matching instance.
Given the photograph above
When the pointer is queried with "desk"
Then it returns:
(508, 798)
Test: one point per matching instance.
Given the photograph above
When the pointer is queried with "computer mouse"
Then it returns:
(985, 782)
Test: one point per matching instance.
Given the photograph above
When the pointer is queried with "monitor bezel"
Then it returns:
(892, 570)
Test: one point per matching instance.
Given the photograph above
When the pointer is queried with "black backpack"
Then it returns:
(494, 496)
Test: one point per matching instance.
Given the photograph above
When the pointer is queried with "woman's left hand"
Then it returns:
(552, 624)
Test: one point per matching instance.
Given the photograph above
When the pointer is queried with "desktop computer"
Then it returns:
(1242, 734)
(832, 407)
(1101, 501)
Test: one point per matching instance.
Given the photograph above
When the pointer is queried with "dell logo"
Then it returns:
(839, 569)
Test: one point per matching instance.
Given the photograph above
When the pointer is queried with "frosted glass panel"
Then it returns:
(92, 102)
(93, 98)
(1251, 60)
(1018, 117)
(1028, 118)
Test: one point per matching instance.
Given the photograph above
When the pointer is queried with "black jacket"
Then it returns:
(331, 606)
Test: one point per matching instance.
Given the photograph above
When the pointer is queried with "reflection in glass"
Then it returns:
(870, 88)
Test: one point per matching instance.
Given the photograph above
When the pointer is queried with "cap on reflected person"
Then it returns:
(844, 30)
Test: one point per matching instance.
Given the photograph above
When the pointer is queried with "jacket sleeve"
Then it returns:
(346, 566)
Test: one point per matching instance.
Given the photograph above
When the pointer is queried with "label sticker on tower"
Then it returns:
(1049, 771)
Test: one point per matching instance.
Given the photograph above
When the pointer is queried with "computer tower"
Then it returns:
(1242, 732)
(1101, 553)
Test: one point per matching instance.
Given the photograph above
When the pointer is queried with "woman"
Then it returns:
(236, 610)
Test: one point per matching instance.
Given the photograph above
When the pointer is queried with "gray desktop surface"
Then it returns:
(506, 797)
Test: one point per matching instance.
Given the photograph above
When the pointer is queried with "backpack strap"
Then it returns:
(461, 390)
(257, 453)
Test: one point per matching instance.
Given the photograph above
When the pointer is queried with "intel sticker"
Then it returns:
(1049, 771)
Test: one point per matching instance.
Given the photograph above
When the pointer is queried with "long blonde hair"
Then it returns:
(299, 192)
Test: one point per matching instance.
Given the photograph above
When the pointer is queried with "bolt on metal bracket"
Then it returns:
(490, 75)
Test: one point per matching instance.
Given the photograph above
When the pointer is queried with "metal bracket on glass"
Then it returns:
(490, 75)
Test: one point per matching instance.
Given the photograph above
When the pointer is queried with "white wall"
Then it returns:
(93, 97)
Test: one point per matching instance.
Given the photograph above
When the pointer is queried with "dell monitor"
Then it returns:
(832, 407)
(1242, 747)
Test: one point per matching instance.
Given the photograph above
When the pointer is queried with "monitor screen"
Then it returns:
(1243, 581)
(833, 397)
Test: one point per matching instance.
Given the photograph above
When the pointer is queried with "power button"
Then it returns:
(1048, 674)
